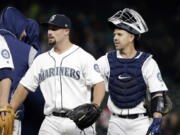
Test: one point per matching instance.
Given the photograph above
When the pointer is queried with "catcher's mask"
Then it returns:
(129, 20)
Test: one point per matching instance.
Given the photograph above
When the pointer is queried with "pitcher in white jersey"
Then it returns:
(66, 74)
(129, 74)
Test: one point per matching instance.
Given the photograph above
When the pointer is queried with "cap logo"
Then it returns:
(66, 25)
(52, 18)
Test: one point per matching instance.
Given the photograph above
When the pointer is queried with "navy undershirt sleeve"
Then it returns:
(5, 73)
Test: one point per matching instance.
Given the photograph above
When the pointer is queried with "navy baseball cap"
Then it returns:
(59, 20)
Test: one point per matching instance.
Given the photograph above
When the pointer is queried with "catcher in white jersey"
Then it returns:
(65, 74)
(129, 75)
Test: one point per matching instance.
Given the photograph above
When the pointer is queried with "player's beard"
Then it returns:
(51, 42)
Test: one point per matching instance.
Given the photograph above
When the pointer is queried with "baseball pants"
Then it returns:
(53, 125)
(122, 126)
(17, 127)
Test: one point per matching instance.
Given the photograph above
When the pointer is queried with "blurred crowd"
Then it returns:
(171, 124)
(90, 31)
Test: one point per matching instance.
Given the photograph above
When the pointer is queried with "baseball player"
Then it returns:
(12, 26)
(129, 73)
(65, 74)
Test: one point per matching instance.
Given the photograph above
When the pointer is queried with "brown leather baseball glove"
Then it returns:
(6, 123)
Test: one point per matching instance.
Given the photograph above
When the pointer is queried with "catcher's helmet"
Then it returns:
(129, 20)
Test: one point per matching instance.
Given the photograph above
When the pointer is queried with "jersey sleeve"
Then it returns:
(91, 71)
(103, 65)
(30, 80)
(104, 69)
(152, 76)
(5, 55)
(6, 73)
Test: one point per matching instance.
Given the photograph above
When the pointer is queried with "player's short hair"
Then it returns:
(129, 20)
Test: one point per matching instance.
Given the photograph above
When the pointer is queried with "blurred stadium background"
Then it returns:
(90, 31)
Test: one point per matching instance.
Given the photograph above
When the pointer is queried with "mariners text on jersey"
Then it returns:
(57, 71)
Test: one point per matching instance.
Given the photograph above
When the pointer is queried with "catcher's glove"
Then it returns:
(6, 123)
(84, 115)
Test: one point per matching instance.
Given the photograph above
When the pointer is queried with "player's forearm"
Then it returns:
(19, 96)
(5, 85)
(157, 114)
(99, 92)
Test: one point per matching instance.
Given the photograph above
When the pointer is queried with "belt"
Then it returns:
(60, 114)
(130, 116)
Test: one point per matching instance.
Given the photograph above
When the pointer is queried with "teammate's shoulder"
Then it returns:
(2, 39)
(150, 60)
(143, 55)
(102, 60)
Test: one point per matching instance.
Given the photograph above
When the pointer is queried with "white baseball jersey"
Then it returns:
(151, 75)
(5, 54)
(65, 79)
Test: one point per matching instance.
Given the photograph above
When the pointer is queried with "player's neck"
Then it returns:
(128, 52)
(62, 47)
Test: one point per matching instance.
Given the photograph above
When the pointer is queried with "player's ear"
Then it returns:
(132, 37)
(66, 31)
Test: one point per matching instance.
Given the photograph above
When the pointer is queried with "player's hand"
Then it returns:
(2, 114)
(155, 128)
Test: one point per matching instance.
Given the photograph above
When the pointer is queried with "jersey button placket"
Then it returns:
(58, 88)
(58, 96)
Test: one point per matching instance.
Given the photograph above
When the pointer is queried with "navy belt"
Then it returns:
(130, 116)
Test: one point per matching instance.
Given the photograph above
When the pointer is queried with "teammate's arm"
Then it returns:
(99, 92)
(5, 84)
(19, 96)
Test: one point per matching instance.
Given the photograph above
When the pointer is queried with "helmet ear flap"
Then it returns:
(129, 20)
